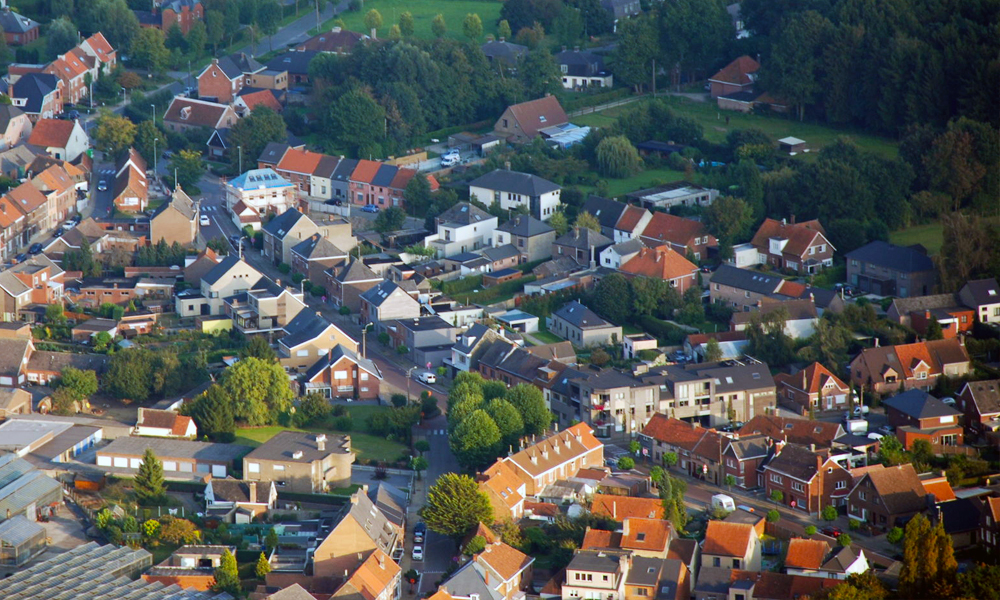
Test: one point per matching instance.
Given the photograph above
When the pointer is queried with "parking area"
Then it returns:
(64, 531)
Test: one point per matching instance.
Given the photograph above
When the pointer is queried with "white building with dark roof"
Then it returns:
(512, 190)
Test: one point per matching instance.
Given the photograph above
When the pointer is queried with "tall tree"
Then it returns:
(472, 27)
(792, 73)
(729, 219)
(503, 30)
(418, 195)
(269, 19)
(612, 298)
(508, 420)
(540, 74)
(114, 133)
(713, 352)
(213, 414)
(438, 27)
(227, 575)
(215, 28)
(258, 347)
(530, 403)
(259, 390)
(373, 20)
(145, 134)
(455, 505)
(197, 38)
(358, 123)
(638, 47)
(148, 50)
(406, 25)
(254, 132)
(149, 484)
(60, 37)
(476, 441)
(263, 566)
(617, 157)
(188, 167)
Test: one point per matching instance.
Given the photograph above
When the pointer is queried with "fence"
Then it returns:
(600, 107)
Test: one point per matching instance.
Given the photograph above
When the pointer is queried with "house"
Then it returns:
(738, 76)
(732, 344)
(507, 570)
(742, 457)
(684, 236)
(621, 10)
(346, 283)
(804, 432)
(264, 308)
(388, 301)
(462, 228)
(341, 373)
(888, 497)
(714, 583)
(181, 459)
(27, 202)
(296, 64)
(592, 574)
(35, 281)
(663, 264)
(284, 232)
(427, 339)
(678, 193)
(130, 192)
(60, 189)
(98, 48)
(363, 531)
(698, 450)
(800, 316)
(505, 490)
(91, 327)
(18, 30)
(191, 567)
(301, 462)
(502, 51)
(165, 423)
(336, 41)
(582, 326)
(175, 220)
(250, 98)
(235, 501)
(917, 415)
(813, 388)
(39, 95)
(513, 190)
(259, 190)
(799, 247)
(231, 276)
(71, 70)
(520, 123)
(378, 578)
(980, 401)
(983, 296)
(607, 212)
(731, 546)
(65, 140)
(14, 401)
(315, 255)
(884, 369)
(806, 478)
(223, 78)
(185, 114)
(15, 126)
(381, 184)
(557, 456)
(947, 309)
(297, 166)
(307, 338)
(583, 69)
(631, 223)
(532, 237)
(815, 558)
(746, 290)
(583, 246)
(649, 538)
(885, 269)
(167, 13)
(615, 256)
(989, 531)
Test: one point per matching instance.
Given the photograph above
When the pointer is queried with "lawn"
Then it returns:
(546, 337)
(714, 123)
(931, 236)
(646, 179)
(454, 12)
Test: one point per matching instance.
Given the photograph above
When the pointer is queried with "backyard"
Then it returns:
(931, 236)
(453, 11)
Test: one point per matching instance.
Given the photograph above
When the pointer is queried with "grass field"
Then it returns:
(454, 12)
(931, 236)
(546, 337)
(646, 179)
(714, 123)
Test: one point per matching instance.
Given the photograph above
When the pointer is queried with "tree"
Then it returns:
(793, 71)
(637, 49)
(213, 414)
(612, 298)
(269, 18)
(357, 122)
(114, 133)
(227, 575)
(175, 38)
(777, 495)
(149, 50)
(197, 38)
(585, 220)
(476, 440)
(60, 37)
(438, 27)
(373, 20)
(263, 566)
(259, 390)
(530, 403)
(145, 134)
(928, 558)
(215, 28)
(507, 420)
(713, 352)
(254, 132)
(455, 505)
(540, 74)
(891, 452)
(64, 402)
(476, 545)
(149, 483)
(316, 408)
(895, 535)
(810, 530)
(617, 157)
(829, 513)
(934, 331)
(55, 314)
(271, 541)
(80, 384)
(559, 223)
(390, 219)
(729, 219)
(258, 347)
(503, 30)
(860, 586)
(406, 26)
(189, 166)
(626, 463)
(670, 459)
(418, 464)
(422, 446)
(773, 516)
(472, 27)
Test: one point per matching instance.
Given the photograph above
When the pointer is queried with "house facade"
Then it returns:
(582, 326)
(800, 247)
(341, 373)
(814, 387)
(512, 190)
(885, 369)
(980, 403)
(301, 462)
(885, 269)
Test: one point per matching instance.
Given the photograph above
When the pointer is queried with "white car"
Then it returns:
(450, 160)
(69, 225)
(204, 221)
(418, 553)
(427, 377)
(860, 409)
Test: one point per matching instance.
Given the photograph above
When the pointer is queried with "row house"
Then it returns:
(309, 337)
(27, 201)
(916, 415)
(167, 13)
(98, 48)
(264, 308)
(130, 192)
(744, 289)
(812, 388)
(919, 365)
(684, 236)
(698, 450)
(742, 458)
(342, 373)
(557, 456)
(15, 126)
(364, 531)
(887, 497)
(388, 301)
(731, 546)
(289, 229)
(346, 283)
(505, 490)
(61, 139)
(60, 191)
(381, 184)
(532, 237)
(712, 394)
(619, 222)
(11, 225)
(800, 247)
(805, 432)
(806, 478)
(71, 70)
(223, 78)
(39, 95)
(297, 166)
(664, 264)
(315, 255)
(980, 403)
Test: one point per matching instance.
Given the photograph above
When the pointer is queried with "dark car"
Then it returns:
(73, 114)
(21, 257)
(59, 232)
(77, 218)
(831, 531)
(35, 249)
(420, 528)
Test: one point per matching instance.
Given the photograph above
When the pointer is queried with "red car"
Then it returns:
(831, 531)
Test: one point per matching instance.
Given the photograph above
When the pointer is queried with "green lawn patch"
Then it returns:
(646, 179)
(454, 12)
(830, 276)
(365, 445)
(546, 337)
(931, 236)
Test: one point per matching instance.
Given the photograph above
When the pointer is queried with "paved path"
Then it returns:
(296, 31)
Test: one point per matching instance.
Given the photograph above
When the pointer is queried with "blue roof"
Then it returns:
(256, 179)
(514, 315)
(384, 175)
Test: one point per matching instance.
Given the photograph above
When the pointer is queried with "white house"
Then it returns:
(239, 501)
(615, 256)
(165, 423)
(815, 558)
(512, 190)
(262, 190)
(65, 140)
(462, 228)
(745, 256)
(983, 296)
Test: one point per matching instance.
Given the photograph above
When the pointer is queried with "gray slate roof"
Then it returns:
(890, 256)
(525, 226)
(581, 237)
(220, 270)
(356, 270)
(11, 22)
(236, 65)
(136, 446)
(284, 445)
(280, 226)
(918, 404)
(33, 87)
(505, 51)
(606, 211)
(580, 316)
(317, 246)
(336, 354)
(983, 291)
(306, 326)
(745, 279)
(501, 252)
(463, 213)
(514, 182)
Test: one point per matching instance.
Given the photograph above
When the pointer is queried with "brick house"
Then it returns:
(505, 490)
(39, 95)
(884, 369)
(520, 123)
(887, 497)
(381, 184)
(731, 546)
(888, 270)
(363, 532)
(800, 247)
(742, 457)
(60, 192)
(18, 30)
(698, 450)
(175, 220)
(989, 529)
(130, 192)
(917, 415)
(744, 289)
(532, 237)
(341, 373)
(185, 114)
(297, 166)
(191, 567)
(346, 283)
(309, 337)
(947, 309)
(796, 431)
(980, 401)
(313, 256)
(983, 296)
(807, 478)
(815, 386)
(98, 47)
(558, 456)
(738, 76)
(71, 70)
(664, 264)
(28, 201)
(222, 80)
(184, 13)
(301, 462)
(681, 235)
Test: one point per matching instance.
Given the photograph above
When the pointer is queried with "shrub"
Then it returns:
(284, 268)
(895, 535)
(811, 530)
(773, 516)
(854, 524)
(343, 423)
(626, 463)
(829, 513)
(844, 539)
(777, 495)
(399, 400)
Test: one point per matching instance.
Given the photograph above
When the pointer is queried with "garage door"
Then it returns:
(218, 471)
(104, 461)
(169, 465)
(121, 461)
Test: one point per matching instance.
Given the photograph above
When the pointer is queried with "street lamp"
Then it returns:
(409, 374)
(302, 286)
(241, 158)
(154, 156)
(364, 346)
(152, 107)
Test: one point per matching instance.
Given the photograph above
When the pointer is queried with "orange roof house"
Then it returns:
(806, 554)
(51, 132)
(793, 246)
(644, 537)
(558, 456)
(521, 122)
(365, 171)
(737, 76)
(300, 161)
(506, 491)
(662, 263)
(682, 235)
(622, 507)
(814, 386)
(731, 545)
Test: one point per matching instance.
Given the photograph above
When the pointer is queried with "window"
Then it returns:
(253, 467)
(798, 487)
(716, 562)
(840, 485)
(776, 478)
(641, 592)
(278, 467)
(340, 374)
(863, 496)
(746, 294)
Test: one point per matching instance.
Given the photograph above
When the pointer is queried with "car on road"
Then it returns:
(875, 436)
(102, 186)
(420, 527)
(860, 409)
(36, 248)
(76, 218)
(418, 537)
(369, 208)
(204, 221)
(427, 377)
(59, 231)
(450, 160)
(885, 429)
(832, 531)
(418, 553)
(70, 224)
(188, 91)
(21, 257)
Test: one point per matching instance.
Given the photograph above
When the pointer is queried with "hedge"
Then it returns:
(662, 330)
(313, 498)
(459, 286)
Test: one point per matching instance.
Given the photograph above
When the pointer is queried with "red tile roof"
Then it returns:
(504, 559)
(297, 160)
(27, 197)
(738, 72)
(806, 554)
(646, 534)
(799, 236)
(262, 98)
(665, 227)
(365, 171)
(630, 218)
(797, 431)
(811, 379)
(620, 507)
(100, 45)
(659, 263)
(51, 133)
(941, 489)
(600, 539)
(727, 539)
(530, 114)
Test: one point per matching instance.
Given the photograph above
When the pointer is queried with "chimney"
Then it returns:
(215, 61)
(506, 165)
(625, 523)
(321, 442)
(793, 218)
(783, 222)
(297, 454)
(614, 510)
(253, 492)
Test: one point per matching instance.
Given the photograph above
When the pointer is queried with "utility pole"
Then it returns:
(241, 158)
(654, 78)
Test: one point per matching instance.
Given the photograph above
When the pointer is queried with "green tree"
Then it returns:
(263, 566)
(530, 403)
(559, 223)
(215, 28)
(254, 132)
(188, 166)
(713, 352)
(617, 157)
(476, 440)
(894, 536)
(422, 446)
(891, 452)
(472, 27)
(114, 133)
(271, 541)
(316, 408)
(81, 384)
(197, 38)
(934, 331)
(793, 71)
(258, 347)
(269, 18)
(810, 530)
(540, 74)
(418, 195)
(438, 27)
(145, 134)
(390, 219)
(357, 122)
(213, 414)
(149, 484)
(455, 505)
(612, 298)
(373, 20)
(844, 540)
(585, 220)
(773, 516)
(395, 34)
(64, 402)
(259, 391)
(149, 50)
(508, 420)
(406, 25)
(227, 575)
(418, 464)
(829, 513)
(670, 459)
(175, 39)
(503, 30)
(638, 47)
(476, 545)
(729, 219)
(626, 463)
(60, 37)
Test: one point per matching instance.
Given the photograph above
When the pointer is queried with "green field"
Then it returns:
(454, 12)
(546, 337)
(646, 179)
(931, 236)
(714, 123)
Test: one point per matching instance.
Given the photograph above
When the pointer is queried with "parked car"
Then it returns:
(949, 401)
(724, 502)
(73, 115)
(832, 531)
(369, 208)
(77, 218)
(59, 231)
(860, 409)
(450, 161)
(21, 257)
(102, 186)
(875, 436)
(427, 377)
(204, 221)
(420, 528)
(36, 248)
(885, 429)
(70, 224)
(418, 537)
(418, 553)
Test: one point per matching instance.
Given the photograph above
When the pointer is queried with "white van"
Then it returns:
(724, 502)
